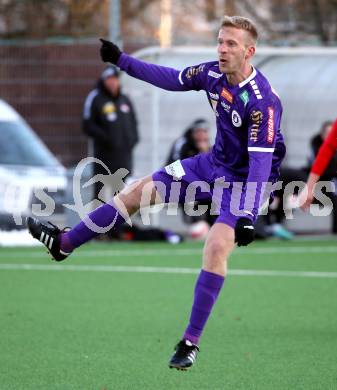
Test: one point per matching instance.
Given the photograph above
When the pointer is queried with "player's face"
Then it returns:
(201, 139)
(233, 49)
(112, 84)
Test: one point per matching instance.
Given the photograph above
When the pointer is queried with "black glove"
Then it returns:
(244, 231)
(109, 52)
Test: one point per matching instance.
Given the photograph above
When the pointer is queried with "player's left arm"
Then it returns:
(170, 79)
(263, 125)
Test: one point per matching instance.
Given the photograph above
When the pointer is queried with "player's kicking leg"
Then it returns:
(61, 243)
(50, 236)
(219, 244)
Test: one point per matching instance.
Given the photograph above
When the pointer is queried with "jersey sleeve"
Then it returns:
(162, 76)
(326, 152)
(194, 77)
(263, 124)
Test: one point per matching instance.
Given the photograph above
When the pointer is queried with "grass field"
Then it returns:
(110, 316)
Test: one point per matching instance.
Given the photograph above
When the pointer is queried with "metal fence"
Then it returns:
(47, 84)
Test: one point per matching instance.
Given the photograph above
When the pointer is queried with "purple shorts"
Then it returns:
(199, 179)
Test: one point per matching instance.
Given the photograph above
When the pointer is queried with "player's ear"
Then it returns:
(250, 52)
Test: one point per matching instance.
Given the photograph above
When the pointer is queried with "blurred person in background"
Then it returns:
(194, 140)
(316, 142)
(324, 166)
(274, 220)
(109, 119)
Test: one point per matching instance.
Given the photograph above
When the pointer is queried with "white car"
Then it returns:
(32, 181)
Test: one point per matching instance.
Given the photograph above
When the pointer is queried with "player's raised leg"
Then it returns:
(60, 243)
(218, 246)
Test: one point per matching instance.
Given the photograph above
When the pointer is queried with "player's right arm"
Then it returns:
(192, 78)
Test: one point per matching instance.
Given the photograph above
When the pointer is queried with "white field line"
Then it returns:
(175, 252)
(161, 270)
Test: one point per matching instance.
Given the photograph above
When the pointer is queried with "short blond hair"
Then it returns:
(241, 23)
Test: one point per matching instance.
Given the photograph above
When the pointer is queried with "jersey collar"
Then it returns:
(250, 77)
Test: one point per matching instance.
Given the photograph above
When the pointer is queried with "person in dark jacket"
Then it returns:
(195, 140)
(109, 119)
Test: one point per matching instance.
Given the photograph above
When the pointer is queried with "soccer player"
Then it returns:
(248, 149)
(324, 156)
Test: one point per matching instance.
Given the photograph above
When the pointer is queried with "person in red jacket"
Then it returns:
(325, 154)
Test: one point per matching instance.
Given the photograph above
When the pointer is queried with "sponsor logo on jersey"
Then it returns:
(244, 96)
(256, 118)
(270, 136)
(214, 96)
(214, 74)
(194, 70)
(226, 106)
(227, 95)
(256, 89)
(236, 119)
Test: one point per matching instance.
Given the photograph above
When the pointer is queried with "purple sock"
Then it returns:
(206, 292)
(102, 217)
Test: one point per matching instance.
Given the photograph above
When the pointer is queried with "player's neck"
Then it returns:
(239, 76)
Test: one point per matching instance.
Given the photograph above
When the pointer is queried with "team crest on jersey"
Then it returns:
(227, 95)
(236, 119)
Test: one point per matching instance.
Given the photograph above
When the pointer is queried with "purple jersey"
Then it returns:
(248, 145)
(248, 119)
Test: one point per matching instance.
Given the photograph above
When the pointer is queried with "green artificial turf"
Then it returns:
(98, 330)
